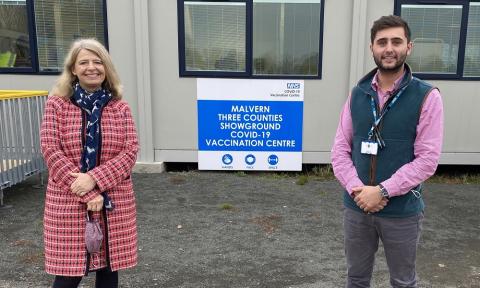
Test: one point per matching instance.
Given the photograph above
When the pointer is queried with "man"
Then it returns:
(387, 143)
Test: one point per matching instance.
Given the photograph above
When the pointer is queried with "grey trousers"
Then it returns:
(400, 238)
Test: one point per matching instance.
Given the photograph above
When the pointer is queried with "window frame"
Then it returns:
(32, 37)
(248, 47)
(462, 40)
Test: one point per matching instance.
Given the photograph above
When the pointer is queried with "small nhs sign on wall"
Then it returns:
(293, 85)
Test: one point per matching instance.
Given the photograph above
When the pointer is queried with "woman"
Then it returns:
(89, 143)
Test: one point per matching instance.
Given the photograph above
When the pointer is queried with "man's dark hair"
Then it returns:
(390, 21)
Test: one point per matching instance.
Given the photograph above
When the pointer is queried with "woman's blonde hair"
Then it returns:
(63, 86)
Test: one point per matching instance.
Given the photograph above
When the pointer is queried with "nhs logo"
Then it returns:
(293, 85)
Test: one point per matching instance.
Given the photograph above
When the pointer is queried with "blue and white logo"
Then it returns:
(293, 85)
(273, 159)
(227, 159)
(250, 159)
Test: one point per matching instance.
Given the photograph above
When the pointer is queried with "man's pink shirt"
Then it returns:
(427, 145)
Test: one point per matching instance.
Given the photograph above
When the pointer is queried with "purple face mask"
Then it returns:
(93, 235)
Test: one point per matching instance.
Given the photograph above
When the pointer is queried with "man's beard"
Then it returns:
(391, 70)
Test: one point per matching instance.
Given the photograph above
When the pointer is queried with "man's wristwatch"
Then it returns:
(383, 191)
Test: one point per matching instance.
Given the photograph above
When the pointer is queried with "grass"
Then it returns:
(452, 174)
(278, 175)
(321, 172)
(226, 206)
(316, 173)
(302, 180)
(455, 179)
(447, 174)
(309, 172)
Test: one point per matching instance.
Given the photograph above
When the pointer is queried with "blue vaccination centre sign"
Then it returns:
(250, 124)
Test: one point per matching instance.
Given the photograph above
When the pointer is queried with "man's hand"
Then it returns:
(96, 204)
(83, 184)
(368, 198)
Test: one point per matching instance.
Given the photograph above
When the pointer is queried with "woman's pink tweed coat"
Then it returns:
(65, 213)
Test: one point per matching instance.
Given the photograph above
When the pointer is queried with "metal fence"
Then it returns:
(20, 118)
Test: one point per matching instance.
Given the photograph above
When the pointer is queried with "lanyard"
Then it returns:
(374, 129)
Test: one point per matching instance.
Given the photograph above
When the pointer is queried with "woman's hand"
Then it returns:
(96, 204)
(83, 184)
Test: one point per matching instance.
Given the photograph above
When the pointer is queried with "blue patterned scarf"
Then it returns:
(92, 104)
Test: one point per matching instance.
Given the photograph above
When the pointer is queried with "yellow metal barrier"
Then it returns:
(20, 117)
(12, 94)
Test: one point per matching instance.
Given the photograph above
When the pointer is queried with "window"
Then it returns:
(446, 38)
(250, 38)
(14, 35)
(286, 37)
(472, 47)
(38, 41)
(215, 36)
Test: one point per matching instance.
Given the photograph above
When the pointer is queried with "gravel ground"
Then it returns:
(215, 229)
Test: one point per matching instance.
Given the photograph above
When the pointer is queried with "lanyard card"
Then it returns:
(369, 147)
